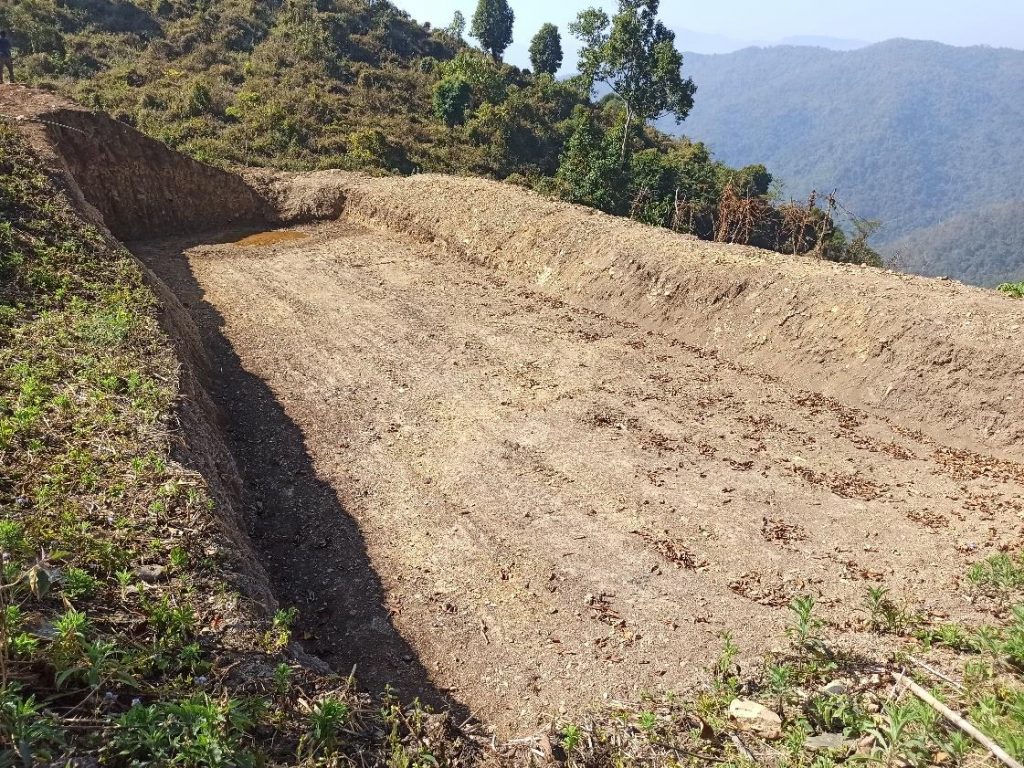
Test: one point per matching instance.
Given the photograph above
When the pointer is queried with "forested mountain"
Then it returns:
(349, 84)
(984, 246)
(914, 134)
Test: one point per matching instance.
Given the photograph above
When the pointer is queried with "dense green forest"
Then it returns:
(985, 246)
(913, 134)
(302, 84)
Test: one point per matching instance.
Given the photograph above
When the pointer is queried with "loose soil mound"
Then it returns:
(935, 355)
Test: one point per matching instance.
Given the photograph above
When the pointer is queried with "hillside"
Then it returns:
(239, 81)
(455, 439)
(984, 246)
(361, 86)
(322, 444)
(911, 133)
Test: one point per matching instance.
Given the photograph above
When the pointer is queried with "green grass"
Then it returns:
(875, 725)
(1000, 571)
(1016, 290)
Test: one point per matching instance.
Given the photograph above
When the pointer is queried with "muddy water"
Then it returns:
(274, 237)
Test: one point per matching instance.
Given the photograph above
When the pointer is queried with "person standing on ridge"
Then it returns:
(6, 57)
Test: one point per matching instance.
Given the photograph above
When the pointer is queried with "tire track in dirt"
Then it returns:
(560, 506)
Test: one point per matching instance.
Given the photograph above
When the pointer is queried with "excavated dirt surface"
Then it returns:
(466, 485)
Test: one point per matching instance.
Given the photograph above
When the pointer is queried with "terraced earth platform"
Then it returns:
(463, 482)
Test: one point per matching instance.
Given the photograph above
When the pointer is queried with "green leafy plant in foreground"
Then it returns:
(196, 732)
(805, 632)
(1016, 290)
(1001, 571)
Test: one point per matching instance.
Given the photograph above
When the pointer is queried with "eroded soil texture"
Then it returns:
(466, 485)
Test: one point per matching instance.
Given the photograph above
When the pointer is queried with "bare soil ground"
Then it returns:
(466, 484)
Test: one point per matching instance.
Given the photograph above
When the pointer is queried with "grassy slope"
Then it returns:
(308, 84)
(302, 84)
(119, 622)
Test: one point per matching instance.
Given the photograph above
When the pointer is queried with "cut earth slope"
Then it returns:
(533, 455)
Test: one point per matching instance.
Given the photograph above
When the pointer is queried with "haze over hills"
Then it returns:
(706, 43)
(832, 43)
(916, 134)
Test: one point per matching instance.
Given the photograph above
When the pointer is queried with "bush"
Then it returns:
(452, 96)
(652, 189)
(590, 172)
(1016, 290)
(485, 77)
(196, 100)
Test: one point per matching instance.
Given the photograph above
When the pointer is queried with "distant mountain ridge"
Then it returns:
(711, 44)
(912, 133)
(819, 41)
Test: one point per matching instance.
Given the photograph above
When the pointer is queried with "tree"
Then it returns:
(483, 75)
(590, 173)
(634, 56)
(751, 181)
(857, 250)
(546, 50)
(492, 26)
(457, 28)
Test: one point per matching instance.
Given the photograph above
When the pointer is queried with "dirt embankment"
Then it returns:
(931, 354)
(935, 355)
(136, 186)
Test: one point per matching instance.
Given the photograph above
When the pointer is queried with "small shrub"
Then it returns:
(835, 714)
(1000, 571)
(196, 100)
(326, 721)
(451, 99)
(885, 615)
(806, 628)
(195, 732)
(25, 727)
(281, 628)
(1016, 290)
(368, 147)
(78, 584)
(571, 737)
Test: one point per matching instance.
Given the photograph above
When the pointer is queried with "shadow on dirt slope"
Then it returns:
(312, 550)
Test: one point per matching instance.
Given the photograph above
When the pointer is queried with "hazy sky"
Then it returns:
(713, 26)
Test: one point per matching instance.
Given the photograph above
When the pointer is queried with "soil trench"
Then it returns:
(473, 487)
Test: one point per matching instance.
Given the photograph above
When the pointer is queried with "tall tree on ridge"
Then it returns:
(546, 50)
(492, 26)
(635, 57)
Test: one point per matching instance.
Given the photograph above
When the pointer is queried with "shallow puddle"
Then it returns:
(270, 238)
